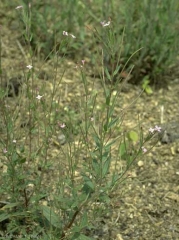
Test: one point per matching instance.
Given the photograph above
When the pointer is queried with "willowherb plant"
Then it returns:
(58, 196)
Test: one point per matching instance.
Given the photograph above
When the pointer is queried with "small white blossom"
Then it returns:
(29, 67)
(4, 150)
(105, 24)
(18, 7)
(144, 149)
(68, 34)
(158, 129)
(65, 33)
(151, 130)
(155, 129)
(62, 125)
(72, 36)
(39, 97)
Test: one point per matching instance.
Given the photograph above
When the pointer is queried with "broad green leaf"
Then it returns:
(133, 136)
(122, 149)
(145, 85)
(148, 90)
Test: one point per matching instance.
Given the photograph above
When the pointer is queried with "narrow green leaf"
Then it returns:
(116, 70)
(108, 98)
(108, 146)
(88, 186)
(105, 156)
(106, 166)
(107, 74)
(96, 166)
(105, 127)
(83, 237)
(97, 140)
(51, 216)
(84, 220)
(104, 198)
(10, 205)
(75, 236)
(4, 216)
(112, 122)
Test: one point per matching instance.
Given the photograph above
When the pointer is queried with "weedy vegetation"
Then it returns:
(63, 161)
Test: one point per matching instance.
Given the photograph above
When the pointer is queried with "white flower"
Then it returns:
(62, 125)
(39, 97)
(155, 129)
(65, 33)
(151, 130)
(29, 67)
(144, 149)
(72, 36)
(158, 129)
(18, 7)
(105, 24)
(4, 150)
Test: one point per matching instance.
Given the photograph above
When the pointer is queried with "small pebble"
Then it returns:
(140, 163)
(62, 139)
(119, 237)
